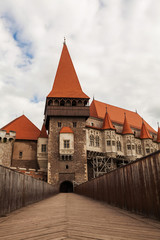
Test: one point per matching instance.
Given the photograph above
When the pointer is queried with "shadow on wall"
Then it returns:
(66, 187)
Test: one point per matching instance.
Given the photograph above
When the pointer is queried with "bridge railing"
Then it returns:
(18, 190)
(134, 187)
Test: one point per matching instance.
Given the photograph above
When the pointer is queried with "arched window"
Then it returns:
(68, 103)
(91, 140)
(10, 139)
(74, 103)
(118, 146)
(50, 102)
(97, 141)
(56, 103)
(80, 103)
(62, 103)
(85, 103)
(4, 140)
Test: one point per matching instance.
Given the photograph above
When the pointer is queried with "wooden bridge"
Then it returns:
(70, 216)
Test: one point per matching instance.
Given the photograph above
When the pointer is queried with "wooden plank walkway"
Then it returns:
(70, 216)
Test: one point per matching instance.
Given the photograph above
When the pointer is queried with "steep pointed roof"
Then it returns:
(43, 133)
(66, 130)
(107, 124)
(144, 132)
(158, 135)
(24, 128)
(126, 127)
(98, 110)
(66, 83)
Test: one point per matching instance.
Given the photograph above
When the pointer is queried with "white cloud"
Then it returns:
(114, 45)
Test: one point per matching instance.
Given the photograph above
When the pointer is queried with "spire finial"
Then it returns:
(124, 114)
(106, 108)
(64, 41)
(158, 124)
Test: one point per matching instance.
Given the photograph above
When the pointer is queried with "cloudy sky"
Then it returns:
(114, 45)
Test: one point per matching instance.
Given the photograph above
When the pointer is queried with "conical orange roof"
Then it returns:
(107, 124)
(66, 83)
(24, 128)
(144, 132)
(126, 127)
(43, 133)
(158, 135)
(66, 130)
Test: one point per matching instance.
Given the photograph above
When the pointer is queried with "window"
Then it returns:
(92, 124)
(66, 143)
(91, 140)
(59, 124)
(147, 150)
(129, 147)
(74, 124)
(108, 143)
(67, 167)
(118, 146)
(20, 154)
(97, 141)
(132, 146)
(113, 143)
(66, 157)
(139, 149)
(4, 140)
(43, 148)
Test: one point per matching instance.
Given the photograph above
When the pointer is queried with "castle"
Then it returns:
(77, 142)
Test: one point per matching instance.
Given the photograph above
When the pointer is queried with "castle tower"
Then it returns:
(128, 138)
(109, 135)
(66, 112)
(146, 139)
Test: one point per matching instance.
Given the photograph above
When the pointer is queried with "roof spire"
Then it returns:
(107, 124)
(66, 83)
(64, 41)
(126, 126)
(144, 131)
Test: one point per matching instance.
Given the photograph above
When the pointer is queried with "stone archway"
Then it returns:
(66, 187)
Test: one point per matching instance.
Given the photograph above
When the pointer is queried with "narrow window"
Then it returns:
(129, 147)
(67, 167)
(132, 146)
(74, 124)
(43, 148)
(97, 141)
(139, 149)
(20, 154)
(66, 143)
(118, 146)
(91, 140)
(4, 140)
(113, 143)
(59, 124)
(92, 124)
(108, 143)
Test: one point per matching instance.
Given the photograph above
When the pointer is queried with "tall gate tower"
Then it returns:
(66, 111)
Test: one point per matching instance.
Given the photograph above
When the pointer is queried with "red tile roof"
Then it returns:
(126, 127)
(144, 132)
(66, 83)
(98, 110)
(107, 124)
(66, 130)
(43, 133)
(24, 128)
(158, 135)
